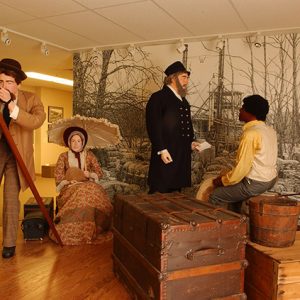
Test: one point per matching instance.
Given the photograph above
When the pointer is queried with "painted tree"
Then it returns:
(286, 105)
(272, 71)
(294, 40)
(116, 84)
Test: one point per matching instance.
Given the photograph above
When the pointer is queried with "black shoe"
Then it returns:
(8, 252)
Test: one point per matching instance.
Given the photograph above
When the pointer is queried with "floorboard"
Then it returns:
(44, 270)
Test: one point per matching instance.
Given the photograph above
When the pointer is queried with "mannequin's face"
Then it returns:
(180, 83)
(76, 143)
(183, 80)
(8, 83)
(245, 116)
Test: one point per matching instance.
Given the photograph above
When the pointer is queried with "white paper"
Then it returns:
(203, 146)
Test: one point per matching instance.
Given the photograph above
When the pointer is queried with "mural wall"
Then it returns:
(116, 84)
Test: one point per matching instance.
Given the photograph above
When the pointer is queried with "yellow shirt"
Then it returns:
(256, 155)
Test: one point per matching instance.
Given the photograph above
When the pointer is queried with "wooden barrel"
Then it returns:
(273, 220)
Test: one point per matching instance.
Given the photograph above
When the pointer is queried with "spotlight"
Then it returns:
(5, 38)
(220, 44)
(181, 47)
(131, 49)
(44, 49)
(258, 41)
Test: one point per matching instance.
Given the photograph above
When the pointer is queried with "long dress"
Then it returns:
(84, 209)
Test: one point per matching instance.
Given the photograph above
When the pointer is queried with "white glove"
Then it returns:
(94, 176)
(61, 185)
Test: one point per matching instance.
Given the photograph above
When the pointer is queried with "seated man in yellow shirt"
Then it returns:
(255, 171)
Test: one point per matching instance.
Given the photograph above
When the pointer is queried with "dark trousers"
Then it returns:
(232, 196)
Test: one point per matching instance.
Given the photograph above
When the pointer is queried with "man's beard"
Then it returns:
(180, 90)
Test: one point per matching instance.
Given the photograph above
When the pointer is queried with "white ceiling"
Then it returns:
(71, 25)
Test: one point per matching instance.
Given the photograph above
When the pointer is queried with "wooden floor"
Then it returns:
(44, 270)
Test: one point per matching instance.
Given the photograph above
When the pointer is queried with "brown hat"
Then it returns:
(175, 67)
(70, 131)
(13, 65)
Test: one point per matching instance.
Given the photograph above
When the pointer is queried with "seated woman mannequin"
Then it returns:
(84, 209)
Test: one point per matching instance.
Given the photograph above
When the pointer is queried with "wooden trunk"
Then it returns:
(32, 206)
(273, 273)
(170, 246)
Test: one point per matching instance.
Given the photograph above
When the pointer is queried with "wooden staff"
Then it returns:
(27, 176)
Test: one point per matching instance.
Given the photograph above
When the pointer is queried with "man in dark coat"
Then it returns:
(170, 129)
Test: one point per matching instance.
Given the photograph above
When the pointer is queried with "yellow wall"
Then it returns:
(47, 153)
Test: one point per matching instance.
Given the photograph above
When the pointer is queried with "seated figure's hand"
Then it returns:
(64, 182)
(86, 174)
(218, 181)
(94, 176)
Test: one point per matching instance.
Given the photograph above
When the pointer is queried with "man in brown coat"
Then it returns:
(23, 112)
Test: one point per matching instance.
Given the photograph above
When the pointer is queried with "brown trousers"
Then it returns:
(11, 203)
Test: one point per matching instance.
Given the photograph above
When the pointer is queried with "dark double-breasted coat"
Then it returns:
(169, 126)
